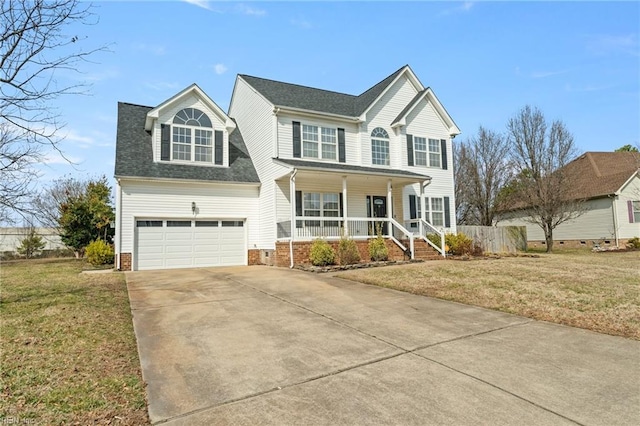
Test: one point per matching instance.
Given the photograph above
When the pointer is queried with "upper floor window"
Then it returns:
(380, 147)
(319, 142)
(427, 154)
(192, 137)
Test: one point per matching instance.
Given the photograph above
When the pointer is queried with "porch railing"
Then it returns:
(424, 228)
(312, 227)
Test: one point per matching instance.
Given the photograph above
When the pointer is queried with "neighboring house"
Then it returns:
(11, 238)
(610, 184)
(196, 187)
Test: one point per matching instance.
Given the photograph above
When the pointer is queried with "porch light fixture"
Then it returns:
(193, 207)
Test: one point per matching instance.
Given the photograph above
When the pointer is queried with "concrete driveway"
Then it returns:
(260, 345)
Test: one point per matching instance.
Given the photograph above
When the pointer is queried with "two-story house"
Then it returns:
(199, 188)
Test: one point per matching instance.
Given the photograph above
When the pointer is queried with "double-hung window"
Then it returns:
(434, 153)
(427, 152)
(319, 142)
(192, 136)
(437, 212)
(636, 211)
(321, 205)
(420, 151)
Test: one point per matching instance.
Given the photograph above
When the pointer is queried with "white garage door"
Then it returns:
(166, 244)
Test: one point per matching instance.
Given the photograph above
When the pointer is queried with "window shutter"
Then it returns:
(447, 213)
(410, 150)
(413, 211)
(298, 208)
(341, 205)
(443, 152)
(218, 147)
(165, 142)
(342, 152)
(297, 140)
(630, 209)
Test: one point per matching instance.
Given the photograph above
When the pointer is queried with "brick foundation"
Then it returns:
(125, 261)
(254, 257)
(301, 250)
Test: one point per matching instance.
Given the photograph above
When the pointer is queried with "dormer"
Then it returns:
(189, 128)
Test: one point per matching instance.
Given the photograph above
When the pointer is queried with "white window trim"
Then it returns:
(427, 152)
(635, 211)
(431, 211)
(319, 142)
(322, 209)
(193, 145)
(386, 140)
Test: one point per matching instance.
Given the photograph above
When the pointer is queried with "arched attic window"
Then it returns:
(380, 147)
(192, 137)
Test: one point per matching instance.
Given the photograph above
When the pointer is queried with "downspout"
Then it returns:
(119, 224)
(615, 219)
(292, 197)
(277, 131)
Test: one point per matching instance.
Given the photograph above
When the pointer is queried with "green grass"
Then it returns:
(596, 291)
(69, 354)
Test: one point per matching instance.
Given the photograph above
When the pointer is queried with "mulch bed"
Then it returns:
(362, 265)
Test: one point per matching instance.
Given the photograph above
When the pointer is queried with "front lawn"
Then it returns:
(596, 291)
(68, 352)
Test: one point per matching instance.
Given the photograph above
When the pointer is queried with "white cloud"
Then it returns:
(301, 23)
(107, 74)
(151, 48)
(463, 8)
(220, 68)
(57, 158)
(248, 10)
(587, 88)
(161, 85)
(545, 74)
(200, 3)
(605, 44)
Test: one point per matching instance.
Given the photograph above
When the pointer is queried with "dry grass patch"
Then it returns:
(69, 354)
(596, 291)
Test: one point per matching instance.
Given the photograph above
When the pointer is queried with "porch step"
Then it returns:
(422, 250)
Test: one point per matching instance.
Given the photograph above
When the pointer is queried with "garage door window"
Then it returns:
(206, 223)
(148, 223)
(237, 223)
(179, 223)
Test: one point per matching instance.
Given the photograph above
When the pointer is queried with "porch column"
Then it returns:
(292, 202)
(344, 206)
(423, 206)
(389, 205)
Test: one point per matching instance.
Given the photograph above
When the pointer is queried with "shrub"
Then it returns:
(435, 239)
(99, 253)
(633, 243)
(322, 253)
(31, 244)
(378, 249)
(459, 244)
(348, 253)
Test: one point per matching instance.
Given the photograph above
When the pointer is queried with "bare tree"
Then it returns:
(47, 204)
(540, 153)
(33, 50)
(482, 170)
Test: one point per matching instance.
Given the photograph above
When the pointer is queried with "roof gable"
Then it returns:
(134, 154)
(194, 90)
(596, 174)
(426, 94)
(294, 96)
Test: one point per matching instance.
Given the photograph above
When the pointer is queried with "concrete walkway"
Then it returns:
(260, 345)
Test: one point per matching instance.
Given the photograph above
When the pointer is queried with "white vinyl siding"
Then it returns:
(167, 118)
(147, 200)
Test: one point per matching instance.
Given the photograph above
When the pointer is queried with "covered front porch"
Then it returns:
(330, 201)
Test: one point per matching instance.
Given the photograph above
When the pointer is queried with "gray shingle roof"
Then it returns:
(341, 167)
(134, 156)
(319, 100)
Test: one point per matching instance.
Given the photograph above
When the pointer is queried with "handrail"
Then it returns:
(406, 232)
(423, 234)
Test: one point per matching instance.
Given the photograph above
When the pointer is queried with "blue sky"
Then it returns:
(577, 61)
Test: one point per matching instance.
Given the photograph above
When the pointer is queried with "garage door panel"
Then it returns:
(186, 246)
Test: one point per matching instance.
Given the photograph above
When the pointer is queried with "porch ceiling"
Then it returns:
(335, 171)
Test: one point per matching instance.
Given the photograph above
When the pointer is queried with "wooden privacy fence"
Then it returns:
(497, 239)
